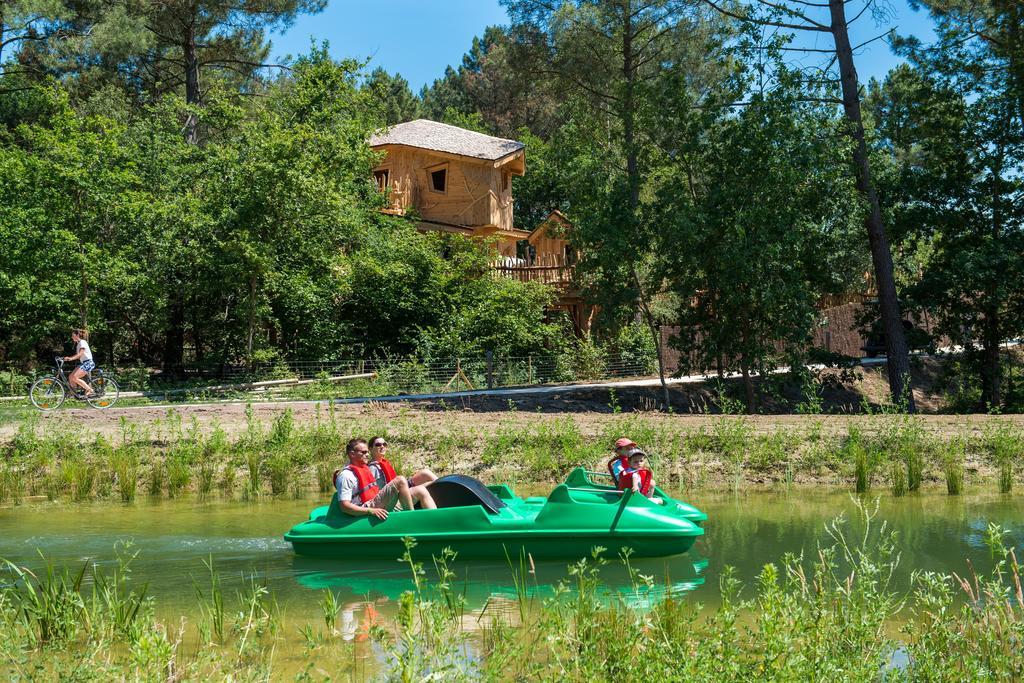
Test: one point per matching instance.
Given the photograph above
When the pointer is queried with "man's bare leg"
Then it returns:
(422, 495)
(404, 497)
(422, 477)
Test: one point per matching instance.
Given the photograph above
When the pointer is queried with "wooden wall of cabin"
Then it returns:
(469, 197)
(550, 250)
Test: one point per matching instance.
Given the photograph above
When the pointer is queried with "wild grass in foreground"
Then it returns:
(285, 458)
(830, 616)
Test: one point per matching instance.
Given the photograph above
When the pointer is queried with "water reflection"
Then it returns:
(484, 585)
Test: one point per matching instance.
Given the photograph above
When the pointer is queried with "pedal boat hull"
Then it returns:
(569, 523)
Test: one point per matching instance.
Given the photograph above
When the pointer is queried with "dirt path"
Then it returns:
(232, 418)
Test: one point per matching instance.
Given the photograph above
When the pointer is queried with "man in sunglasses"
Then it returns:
(359, 495)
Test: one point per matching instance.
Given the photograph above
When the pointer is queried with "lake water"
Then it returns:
(244, 539)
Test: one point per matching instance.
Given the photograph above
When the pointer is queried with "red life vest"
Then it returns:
(646, 477)
(386, 468)
(366, 483)
(623, 461)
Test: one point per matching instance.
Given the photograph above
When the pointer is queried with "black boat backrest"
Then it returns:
(459, 490)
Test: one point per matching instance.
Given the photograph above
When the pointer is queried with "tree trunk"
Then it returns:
(748, 388)
(666, 399)
(898, 358)
(192, 91)
(991, 371)
(629, 112)
(83, 312)
(1015, 49)
(252, 317)
(174, 338)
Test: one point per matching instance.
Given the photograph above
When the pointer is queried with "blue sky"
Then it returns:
(419, 38)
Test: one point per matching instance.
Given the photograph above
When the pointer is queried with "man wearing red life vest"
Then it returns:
(359, 495)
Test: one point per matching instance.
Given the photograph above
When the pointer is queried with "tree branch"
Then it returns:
(765, 22)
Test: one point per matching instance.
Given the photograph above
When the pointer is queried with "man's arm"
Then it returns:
(350, 508)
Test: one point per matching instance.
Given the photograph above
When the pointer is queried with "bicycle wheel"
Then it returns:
(47, 393)
(106, 392)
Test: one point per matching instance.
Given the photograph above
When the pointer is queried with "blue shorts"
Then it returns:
(88, 365)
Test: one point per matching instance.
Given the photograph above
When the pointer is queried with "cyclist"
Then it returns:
(83, 354)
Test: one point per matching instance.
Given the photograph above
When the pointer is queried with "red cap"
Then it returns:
(625, 443)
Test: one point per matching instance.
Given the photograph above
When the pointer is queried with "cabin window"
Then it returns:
(437, 177)
(381, 178)
(506, 180)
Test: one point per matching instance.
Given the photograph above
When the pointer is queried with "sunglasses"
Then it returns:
(380, 444)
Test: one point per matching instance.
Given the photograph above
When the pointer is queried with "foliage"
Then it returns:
(952, 127)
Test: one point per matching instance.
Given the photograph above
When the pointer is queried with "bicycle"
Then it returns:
(49, 392)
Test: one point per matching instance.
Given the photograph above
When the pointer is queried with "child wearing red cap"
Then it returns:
(620, 460)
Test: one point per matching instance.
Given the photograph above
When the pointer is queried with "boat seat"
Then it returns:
(459, 490)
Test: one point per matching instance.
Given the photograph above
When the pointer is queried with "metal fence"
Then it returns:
(354, 377)
(405, 375)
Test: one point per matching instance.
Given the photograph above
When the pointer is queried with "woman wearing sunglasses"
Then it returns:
(385, 472)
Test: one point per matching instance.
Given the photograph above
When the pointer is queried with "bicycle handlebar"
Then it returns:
(59, 360)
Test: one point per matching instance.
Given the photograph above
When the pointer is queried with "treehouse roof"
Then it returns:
(440, 137)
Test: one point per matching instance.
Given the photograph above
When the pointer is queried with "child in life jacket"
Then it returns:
(638, 476)
(620, 460)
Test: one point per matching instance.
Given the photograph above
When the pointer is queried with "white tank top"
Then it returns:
(84, 347)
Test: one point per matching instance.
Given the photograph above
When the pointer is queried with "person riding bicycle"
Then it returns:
(83, 354)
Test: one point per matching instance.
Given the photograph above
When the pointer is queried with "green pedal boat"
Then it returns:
(492, 522)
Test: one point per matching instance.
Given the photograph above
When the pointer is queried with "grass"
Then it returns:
(169, 458)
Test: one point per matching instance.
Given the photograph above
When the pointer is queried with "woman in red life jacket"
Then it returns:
(359, 494)
(620, 460)
(385, 472)
(638, 477)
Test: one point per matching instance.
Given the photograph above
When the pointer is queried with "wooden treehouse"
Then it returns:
(460, 181)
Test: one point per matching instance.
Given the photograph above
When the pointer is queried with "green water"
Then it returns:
(173, 537)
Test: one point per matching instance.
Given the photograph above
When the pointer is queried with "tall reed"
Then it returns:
(124, 464)
(898, 478)
(953, 464)
(211, 605)
(207, 472)
(179, 475)
(856, 450)
(915, 467)
(156, 476)
(228, 478)
(1004, 447)
(324, 469)
(279, 468)
(253, 485)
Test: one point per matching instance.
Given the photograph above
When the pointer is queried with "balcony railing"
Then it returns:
(547, 269)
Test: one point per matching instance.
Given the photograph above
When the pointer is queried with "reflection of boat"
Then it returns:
(492, 522)
(481, 583)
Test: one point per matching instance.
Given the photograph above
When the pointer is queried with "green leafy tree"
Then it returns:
(959, 151)
(993, 28)
(611, 59)
(832, 19)
(392, 95)
(768, 234)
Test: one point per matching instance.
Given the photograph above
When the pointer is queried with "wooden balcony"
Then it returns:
(546, 269)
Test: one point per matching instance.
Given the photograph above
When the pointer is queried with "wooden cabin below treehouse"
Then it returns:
(456, 180)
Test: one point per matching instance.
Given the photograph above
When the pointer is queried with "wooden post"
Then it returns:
(490, 369)
(529, 369)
